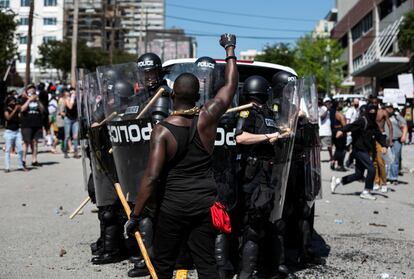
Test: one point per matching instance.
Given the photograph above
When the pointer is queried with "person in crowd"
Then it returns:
(180, 157)
(399, 136)
(351, 115)
(12, 133)
(53, 115)
(44, 99)
(32, 119)
(70, 121)
(379, 163)
(364, 132)
(337, 123)
(325, 131)
(407, 113)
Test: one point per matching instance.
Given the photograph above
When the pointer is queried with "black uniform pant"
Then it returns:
(172, 231)
(363, 162)
(340, 149)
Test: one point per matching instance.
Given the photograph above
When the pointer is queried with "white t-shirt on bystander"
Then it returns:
(324, 124)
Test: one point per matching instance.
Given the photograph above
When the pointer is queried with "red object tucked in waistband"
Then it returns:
(220, 218)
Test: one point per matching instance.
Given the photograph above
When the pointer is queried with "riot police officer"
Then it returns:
(304, 180)
(256, 129)
(151, 64)
(110, 246)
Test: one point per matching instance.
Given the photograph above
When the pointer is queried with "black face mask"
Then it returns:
(372, 116)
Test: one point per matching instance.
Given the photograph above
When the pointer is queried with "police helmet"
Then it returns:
(205, 63)
(151, 64)
(279, 82)
(256, 87)
(123, 90)
(149, 61)
(110, 75)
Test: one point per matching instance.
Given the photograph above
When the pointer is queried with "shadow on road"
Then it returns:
(320, 248)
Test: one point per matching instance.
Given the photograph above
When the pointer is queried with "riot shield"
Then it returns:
(81, 90)
(286, 117)
(103, 167)
(124, 97)
(224, 165)
(312, 146)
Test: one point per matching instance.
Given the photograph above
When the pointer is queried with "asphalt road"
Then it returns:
(359, 238)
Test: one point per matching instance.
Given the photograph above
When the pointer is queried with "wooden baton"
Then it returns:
(82, 205)
(109, 118)
(137, 234)
(250, 105)
(151, 102)
(285, 132)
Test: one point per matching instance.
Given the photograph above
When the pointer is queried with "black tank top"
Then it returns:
(190, 188)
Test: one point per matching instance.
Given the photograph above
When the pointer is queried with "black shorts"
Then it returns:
(30, 134)
(61, 133)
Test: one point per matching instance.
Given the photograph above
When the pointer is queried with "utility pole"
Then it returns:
(141, 26)
(146, 30)
(112, 43)
(29, 45)
(74, 42)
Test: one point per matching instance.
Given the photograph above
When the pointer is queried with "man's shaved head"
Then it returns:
(186, 88)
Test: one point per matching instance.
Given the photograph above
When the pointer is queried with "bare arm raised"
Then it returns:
(215, 108)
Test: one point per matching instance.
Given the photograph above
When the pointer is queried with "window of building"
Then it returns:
(49, 21)
(24, 21)
(357, 62)
(25, 3)
(49, 39)
(362, 27)
(4, 4)
(344, 41)
(50, 3)
(23, 40)
(385, 8)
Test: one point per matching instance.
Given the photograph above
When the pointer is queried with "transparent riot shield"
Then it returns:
(311, 143)
(81, 90)
(125, 97)
(224, 156)
(286, 116)
(103, 167)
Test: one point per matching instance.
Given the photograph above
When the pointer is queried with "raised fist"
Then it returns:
(227, 40)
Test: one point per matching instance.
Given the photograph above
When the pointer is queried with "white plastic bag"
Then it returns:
(389, 156)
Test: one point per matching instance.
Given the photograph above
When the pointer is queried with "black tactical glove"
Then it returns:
(132, 225)
(227, 40)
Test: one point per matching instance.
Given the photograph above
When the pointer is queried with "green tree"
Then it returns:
(57, 55)
(319, 57)
(279, 53)
(7, 47)
(406, 36)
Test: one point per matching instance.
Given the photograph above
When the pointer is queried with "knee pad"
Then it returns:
(221, 249)
(146, 230)
(109, 215)
(249, 257)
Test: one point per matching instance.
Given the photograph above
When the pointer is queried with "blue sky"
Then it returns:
(282, 21)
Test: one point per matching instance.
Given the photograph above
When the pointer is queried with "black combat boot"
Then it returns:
(111, 238)
(97, 247)
(249, 260)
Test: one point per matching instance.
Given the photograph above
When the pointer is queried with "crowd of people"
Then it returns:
(40, 113)
(372, 134)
